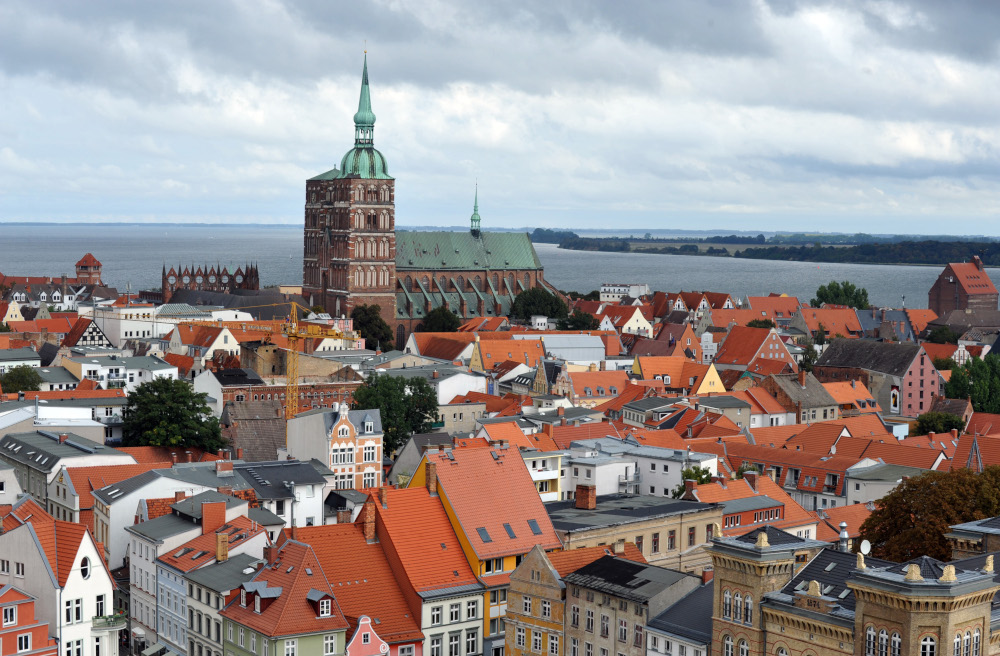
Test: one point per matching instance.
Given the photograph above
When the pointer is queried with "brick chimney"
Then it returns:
(707, 575)
(270, 554)
(213, 516)
(63, 437)
(173, 457)
(802, 378)
(222, 547)
(383, 496)
(435, 375)
(560, 411)
(751, 478)
(189, 456)
(225, 489)
(343, 516)
(721, 480)
(689, 489)
(586, 497)
(430, 473)
(368, 517)
(954, 433)
(180, 496)
(239, 453)
(221, 454)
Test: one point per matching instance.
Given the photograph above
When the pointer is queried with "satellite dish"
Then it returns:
(866, 547)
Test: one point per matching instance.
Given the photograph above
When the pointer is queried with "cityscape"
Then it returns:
(503, 432)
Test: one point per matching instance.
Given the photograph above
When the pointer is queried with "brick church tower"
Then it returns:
(350, 220)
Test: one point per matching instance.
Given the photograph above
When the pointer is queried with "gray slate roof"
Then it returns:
(41, 450)
(259, 428)
(237, 377)
(832, 569)
(885, 357)
(625, 578)
(690, 617)
(268, 478)
(56, 375)
(813, 396)
(224, 576)
(14, 355)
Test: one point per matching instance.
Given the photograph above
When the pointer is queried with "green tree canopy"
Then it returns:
(593, 295)
(841, 293)
(912, 519)
(22, 378)
(760, 323)
(697, 474)
(943, 335)
(809, 355)
(440, 320)
(368, 323)
(979, 381)
(407, 406)
(820, 339)
(168, 412)
(578, 321)
(938, 422)
(944, 364)
(538, 301)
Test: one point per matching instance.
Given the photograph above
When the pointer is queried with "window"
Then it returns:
(526, 605)
(605, 626)
(241, 642)
(588, 649)
(958, 645)
(727, 646)
(9, 615)
(928, 646)
(637, 638)
(4, 567)
(536, 641)
(24, 642)
(406, 650)
(19, 570)
(546, 609)
(622, 631)
(369, 480)
(727, 604)
(436, 646)
(883, 643)
(737, 605)
(656, 543)
(471, 609)
(744, 648)
(691, 536)
(436, 615)
(590, 621)
(471, 638)
(324, 607)
(85, 567)
(748, 610)
(519, 637)
(99, 606)
(291, 647)
(896, 645)
(975, 643)
(329, 645)
(671, 540)
(369, 453)
(455, 613)
(279, 508)
(229, 630)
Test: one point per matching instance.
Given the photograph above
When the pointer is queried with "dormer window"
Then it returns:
(256, 605)
(42, 296)
(343, 432)
(366, 638)
(243, 598)
(324, 607)
(369, 427)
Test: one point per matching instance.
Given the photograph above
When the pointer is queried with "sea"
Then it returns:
(133, 256)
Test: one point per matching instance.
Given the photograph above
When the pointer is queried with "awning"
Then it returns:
(154, 650)
(137, 631)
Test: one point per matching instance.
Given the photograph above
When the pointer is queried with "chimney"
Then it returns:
(383, 496)
(440, 448)
(802, 378)
(954, 433)
(180, 496)
(854, 384)
(222, 467)
(844, 537)
(931, 435)
(368, 513)
(707, 575)
(344, 516)
(430, 473)
(619, 547)
(586, 497)
(189, 456)
(239, 453)
(63, 437)
(213, 516)
(270, 554)
(222, 547)
(173, 457)
(221, 454)
(560, 411)
(225, 489)
(562, 422)
(435, 375)
(689, 488)
(751, 478)
(20, 396)
(978, 262)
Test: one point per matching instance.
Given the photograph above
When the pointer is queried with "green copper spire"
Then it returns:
(363, 161)
(475, 214)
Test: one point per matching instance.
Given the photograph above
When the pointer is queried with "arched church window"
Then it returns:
(478, 282)
(409, 284)
(442, 283)
(461, 284)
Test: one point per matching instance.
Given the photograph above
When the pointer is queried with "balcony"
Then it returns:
(115, 622)
(543, 474)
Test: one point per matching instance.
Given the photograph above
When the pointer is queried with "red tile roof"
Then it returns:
(528, 351)
(935, 351)
(88, 260)
(201, 550)
(488, 489)
(828, 529)
(290, 613)
(835, 321)
(87, 479)
(76, 332)
(983, 423)
(743, 344)
(70, 394)
(974, 281)
(781, 307)
(794, 515)
(853, 394)
(601, 383)
(182, 362)
(160, 454)
(365, 583)
(53, 326)
(920, 318)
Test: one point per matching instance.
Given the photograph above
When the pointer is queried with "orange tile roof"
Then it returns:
(608, 381)
(564, 435)
(55, 326)
(160, 454)
(869, 425)
(775, 436)
(488, 489)
(619, 315)
(920, 318)
(493, 403)
(76, 332)
(290, 613)
(364, 584)
(193, 335)
(835, 321)
(939, 350)
(908, 456)
(201, 550)
(87, 479)
(764, 400)
(410, 516)
(983, 423)
(765, 367)
(742, 345)
(528, 351)
(717, 492)
(566, 562)
(973, 279)
(775, 306)
(88, 260)
(446, 346)
(828, 529)
(817, 438)
(182, 362)
(471, 443)
(944, 442)
(722, 318)
(70, 394)
(507, 431)
(852, 394)
(629, 394)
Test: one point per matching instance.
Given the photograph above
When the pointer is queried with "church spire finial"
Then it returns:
(475, 214)
(364, 118)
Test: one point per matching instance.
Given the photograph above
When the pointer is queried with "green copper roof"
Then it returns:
(462, 250)
(366, 163)
(364, 115)
(362, 161)
(332, 174)
(475, 214)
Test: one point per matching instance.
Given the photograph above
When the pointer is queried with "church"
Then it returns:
(353, 255)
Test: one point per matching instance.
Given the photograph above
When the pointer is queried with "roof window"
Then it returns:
(484, 534)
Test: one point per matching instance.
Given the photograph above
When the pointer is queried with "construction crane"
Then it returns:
(294, 332)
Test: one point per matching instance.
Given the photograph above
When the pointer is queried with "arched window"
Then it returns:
(967, 644)
(527, 280)
(883, 643)
(409, 284)
(737, 606)
(896, 645)
(496, 281)
(478, 281)
(442, 283)
(427, 283)
(748, 610)
(744, 648)
(727, 604)
(928, 646)
(957, 651)
(727, 646)
(870, 641)
(781, 652)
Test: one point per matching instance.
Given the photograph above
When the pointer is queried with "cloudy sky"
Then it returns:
(841, 116)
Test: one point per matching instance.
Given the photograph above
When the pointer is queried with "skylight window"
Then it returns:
(484, 535)
(510, 531)
(535, 529)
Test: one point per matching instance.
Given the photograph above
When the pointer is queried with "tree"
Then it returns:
(820, 335)
(368, 323)
(943, 335)
(407, 406)
(578, 321)
(760, 323)
(538, 301)
(809, 355)
(944, 364)
(744, 468)
(841, 293)
(913, 519)
(22, 378)
(317, 309)
(4, 328)
(698, 474)
(440, 320)
(592, 295)
(979, 381)
(168, 412)
(938, 422)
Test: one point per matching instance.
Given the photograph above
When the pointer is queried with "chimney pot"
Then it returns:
(239, 454)
(220, 454)
(270, 553)
(63, 437)
(179, 496)
(954, 433)
(619, 547)
(189, 456)
(586, 497)
(560, 411)
(751, 478)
